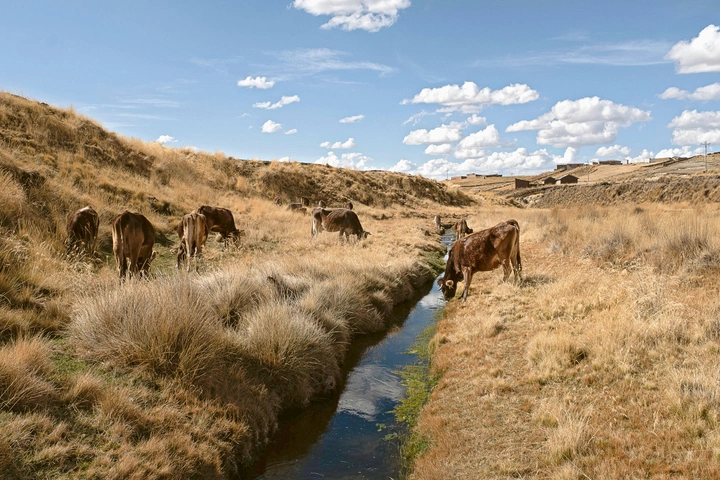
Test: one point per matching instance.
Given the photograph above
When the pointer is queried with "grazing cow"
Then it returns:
(339, 220)
(321, 204)
(481, 252)
(462, 229)
(133, 238)
(82, 231)
(304, 202)
(220, 220)
(438, 223)
(348, 205)
(193, 232)
(295, 206)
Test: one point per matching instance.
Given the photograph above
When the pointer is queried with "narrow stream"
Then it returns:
(339, 437)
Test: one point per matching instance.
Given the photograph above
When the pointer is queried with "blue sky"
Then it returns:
(430, 87)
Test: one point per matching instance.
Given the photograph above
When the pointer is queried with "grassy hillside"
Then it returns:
(184, 375)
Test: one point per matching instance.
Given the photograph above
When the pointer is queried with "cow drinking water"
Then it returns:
(481, 252)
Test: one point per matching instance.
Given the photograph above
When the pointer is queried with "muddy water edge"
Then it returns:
(344, 436)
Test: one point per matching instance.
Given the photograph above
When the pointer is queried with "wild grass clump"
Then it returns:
(12, 200)
(165, 327)
(25, 365)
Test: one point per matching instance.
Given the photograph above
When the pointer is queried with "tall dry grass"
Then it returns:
(606, 364)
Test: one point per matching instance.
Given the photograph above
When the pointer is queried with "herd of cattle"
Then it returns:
(133, 238)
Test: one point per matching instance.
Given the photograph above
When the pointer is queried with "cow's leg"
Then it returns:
(507, 269)
(467, 277)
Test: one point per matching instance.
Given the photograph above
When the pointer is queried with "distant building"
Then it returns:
(568, 166)
(493, 175)
(610, 162)
(550, 181)
(568, 179)
(519, 183)
(459, 177)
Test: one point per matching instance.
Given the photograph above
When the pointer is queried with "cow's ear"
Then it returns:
(449, 283)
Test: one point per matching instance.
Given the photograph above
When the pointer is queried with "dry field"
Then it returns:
(183, 375)
(604, 363)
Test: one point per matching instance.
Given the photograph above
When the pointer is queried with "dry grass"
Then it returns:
(606, 364)
(184, 375)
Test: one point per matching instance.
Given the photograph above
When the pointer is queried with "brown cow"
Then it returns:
(294, 207)
(82, 231)
(438, 223)
(221, 220)
(192, 237)
(339, 220)
(304, 202)
(481, 252)
(462, 229)
(133, 238)
(348, 205)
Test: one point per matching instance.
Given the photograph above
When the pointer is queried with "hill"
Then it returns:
(184, 375)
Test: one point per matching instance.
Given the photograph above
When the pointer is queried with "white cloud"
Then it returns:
(353, 119)
(349, 143)
(454, 97)
(613, 151)
(284, 159)
(284, 100)
(680, 152)
(163, 139)
(708, 92)
(414, 119)
(370, 15)
(292, 131)
(442, 149)
(271, 127)
(701, 54)
(441, 134)
(693, 128)
(475, 120)
(487, 138)
(256, 82)
(575, 123)
(356, 161)
(570, 155)
(310, 61)
(644, 157)
(403, 166)
(519, 161)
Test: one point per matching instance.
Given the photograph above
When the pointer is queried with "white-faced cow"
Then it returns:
(221, 220)
(193, 232)
(462, 229)
(438, 223)
(82, 231)
(133, 239)
(481, 252)
(338, 220)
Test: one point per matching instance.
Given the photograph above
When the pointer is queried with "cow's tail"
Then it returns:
(118, 245)
(515, 252)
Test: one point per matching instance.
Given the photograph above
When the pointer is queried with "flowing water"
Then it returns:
(340, 437)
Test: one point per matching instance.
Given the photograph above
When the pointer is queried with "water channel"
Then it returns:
(339, 437)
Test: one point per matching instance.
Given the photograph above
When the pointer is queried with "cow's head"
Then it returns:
(145, 263)
(364, 235)
(448, 288)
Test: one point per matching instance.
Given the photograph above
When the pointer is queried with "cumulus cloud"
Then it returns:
(163, 139)
(613, 151)
(404, 166)
(520, 161)
(575, 123)
(680, 152)
(353, 119)
(284, 159)
(569, 155)
(356, 161)
(349, 143)
(271, 127)
(292, 131)
(455, 97)
(475, 120)
(644, 157)
(692, 128)
(487, 138)
(256, 82)
(369, 15)
(284, 100)
(708, 92)
(441, 134)
(701, 54)
(442, 149)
